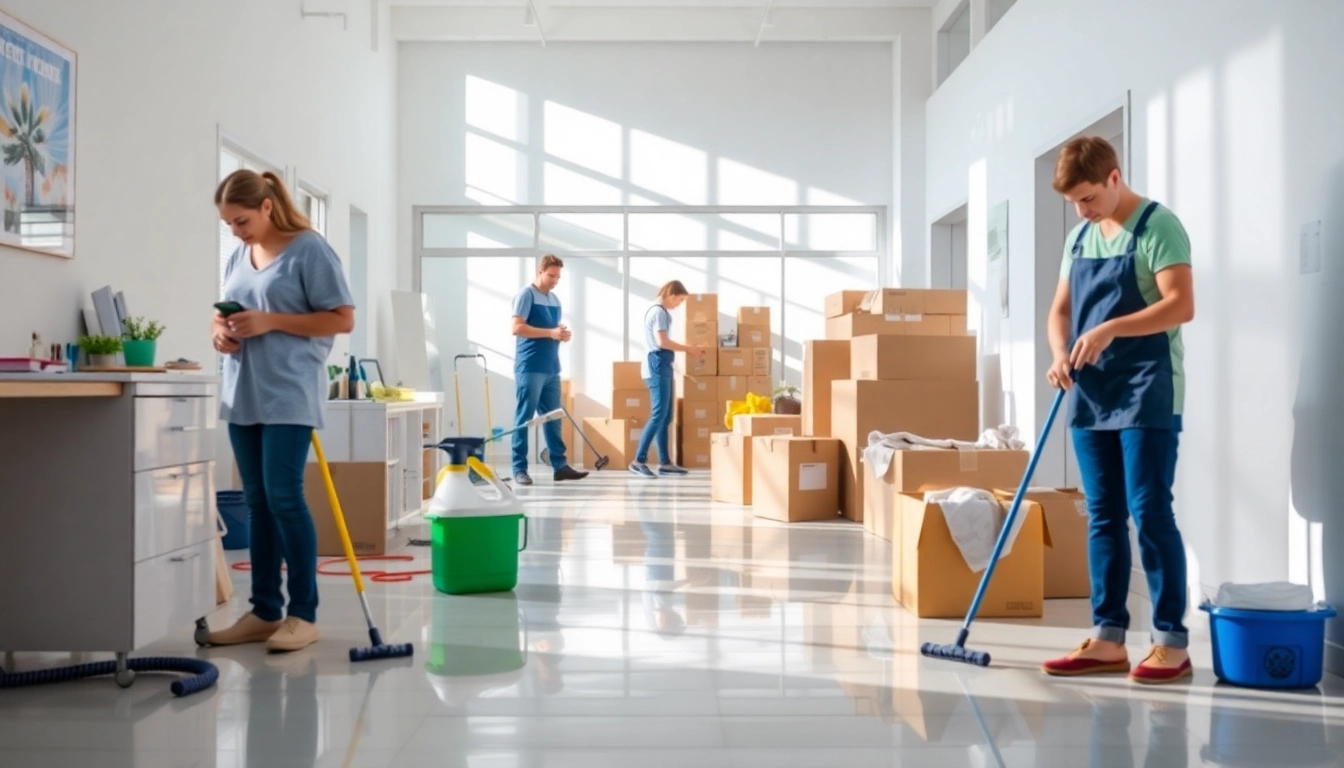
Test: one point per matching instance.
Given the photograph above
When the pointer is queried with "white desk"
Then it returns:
(107, 523)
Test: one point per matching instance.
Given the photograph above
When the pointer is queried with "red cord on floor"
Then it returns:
(323, 568)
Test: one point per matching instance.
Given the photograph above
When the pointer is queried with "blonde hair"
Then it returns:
(249, 189)
(672, 288)
(1087, 159)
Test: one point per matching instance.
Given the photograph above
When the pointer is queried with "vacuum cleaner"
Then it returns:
(957, 651)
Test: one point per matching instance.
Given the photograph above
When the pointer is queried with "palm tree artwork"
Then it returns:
(22, 124)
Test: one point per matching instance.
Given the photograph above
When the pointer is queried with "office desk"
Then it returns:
(107, 523)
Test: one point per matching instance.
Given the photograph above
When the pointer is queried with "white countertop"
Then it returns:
(170, 377)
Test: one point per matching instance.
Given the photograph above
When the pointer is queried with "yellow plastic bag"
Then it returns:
(753, 404)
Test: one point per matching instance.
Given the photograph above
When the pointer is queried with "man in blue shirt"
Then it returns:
(536, 367)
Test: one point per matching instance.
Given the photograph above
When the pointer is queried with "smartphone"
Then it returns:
(227, 308)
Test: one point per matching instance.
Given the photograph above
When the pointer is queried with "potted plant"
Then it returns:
(139, 341)
(786, 399)
(101, 350)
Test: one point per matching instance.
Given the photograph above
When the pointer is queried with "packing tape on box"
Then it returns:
(970, 461)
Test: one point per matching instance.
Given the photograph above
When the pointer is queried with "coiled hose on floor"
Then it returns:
(202, 673)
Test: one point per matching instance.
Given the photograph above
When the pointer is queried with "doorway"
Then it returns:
(947, 250)
(1055, 220)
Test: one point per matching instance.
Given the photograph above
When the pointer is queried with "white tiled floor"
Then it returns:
(652, 629)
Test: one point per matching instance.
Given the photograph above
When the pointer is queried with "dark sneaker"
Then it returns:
(522, 478)
(569, 473)
(671, 469)
(642, 470)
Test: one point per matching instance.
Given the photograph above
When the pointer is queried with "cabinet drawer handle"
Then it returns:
(196, 428)
(185, 558)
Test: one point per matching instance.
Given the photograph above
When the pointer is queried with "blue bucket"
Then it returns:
(237, 519)
(1268, 649)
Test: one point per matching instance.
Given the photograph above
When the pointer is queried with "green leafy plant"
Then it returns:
(785, 389)
(334, 372)
(136, 329)
(100, 345)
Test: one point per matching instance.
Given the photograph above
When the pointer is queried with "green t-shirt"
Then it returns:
(1164, 244)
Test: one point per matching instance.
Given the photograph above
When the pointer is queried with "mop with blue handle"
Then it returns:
(378, 650)
(957, 651)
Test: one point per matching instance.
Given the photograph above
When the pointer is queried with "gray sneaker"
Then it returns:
(642, 470)
(522, 478)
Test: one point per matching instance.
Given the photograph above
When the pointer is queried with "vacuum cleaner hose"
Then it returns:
(202, 674)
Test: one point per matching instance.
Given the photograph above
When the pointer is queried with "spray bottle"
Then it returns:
(455, 495)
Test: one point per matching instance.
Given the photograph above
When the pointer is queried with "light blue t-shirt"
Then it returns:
(656, 318)
(539, 310)
(278, 378)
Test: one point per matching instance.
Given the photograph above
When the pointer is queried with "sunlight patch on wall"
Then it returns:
(741, 184)
(583, 139)
(494, 168)
(673, 171)
(495, 109)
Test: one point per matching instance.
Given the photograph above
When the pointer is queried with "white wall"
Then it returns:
(617, 123)
(155, 82)
(1232, 127)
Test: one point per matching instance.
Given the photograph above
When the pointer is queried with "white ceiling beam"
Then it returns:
(461, 24)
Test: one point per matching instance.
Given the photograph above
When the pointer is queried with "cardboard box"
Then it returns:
(704, 333)
(760, 385)
(936, 409)
(617, 439)
(699, 365)
(690, 413)
(933, 470)
(624, 375)
(362, 489)
(824, 361)
(630, 404)
(752, 336)
(1066, 566)
(844, 303)
(730, 469)
(890, 358)
(701, 308)
(732, 388)
(753, 316)
(693, 452)
(760, 361)
(762, 424)
(699, 432)
(919, 301)
(794, 479)
(698, 389)
(863, 324)
(735, 362)
(931, 579)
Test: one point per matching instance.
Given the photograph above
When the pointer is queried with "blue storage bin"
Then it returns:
(237, 519)
(1268, 649)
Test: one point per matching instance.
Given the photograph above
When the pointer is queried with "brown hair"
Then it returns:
(672, 288)
(1085, 160)
(550, 260)
(250, 189)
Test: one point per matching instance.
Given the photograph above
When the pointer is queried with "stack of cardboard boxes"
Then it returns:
(766, 464)
(617, 436)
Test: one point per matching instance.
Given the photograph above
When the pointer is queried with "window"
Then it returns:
(313, 204)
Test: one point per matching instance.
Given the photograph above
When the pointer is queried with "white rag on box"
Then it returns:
(975, 518)
(882, 447)
(1270, 596)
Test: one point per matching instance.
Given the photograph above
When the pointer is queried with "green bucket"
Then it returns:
(469, 555)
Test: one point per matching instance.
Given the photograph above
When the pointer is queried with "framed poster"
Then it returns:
(37, 140)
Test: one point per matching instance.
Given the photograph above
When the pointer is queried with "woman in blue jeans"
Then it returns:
(295, 301)
(657, 371)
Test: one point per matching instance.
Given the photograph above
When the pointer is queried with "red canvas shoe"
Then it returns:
(1079, 662)
(1160, 668)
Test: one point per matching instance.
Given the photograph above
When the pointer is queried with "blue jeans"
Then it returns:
(660, 420)
(1131, 471)
(271, 460)
(537, 393)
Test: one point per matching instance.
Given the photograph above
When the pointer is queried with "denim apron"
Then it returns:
(1131, 386)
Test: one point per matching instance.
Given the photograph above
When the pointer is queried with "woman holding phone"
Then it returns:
(285, 300)
(657, 372)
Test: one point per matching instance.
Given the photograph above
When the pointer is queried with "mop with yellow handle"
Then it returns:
(378, 650)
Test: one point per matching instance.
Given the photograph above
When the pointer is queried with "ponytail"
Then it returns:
(249, 189)
(672, 288)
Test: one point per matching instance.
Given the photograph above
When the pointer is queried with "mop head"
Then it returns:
(956, 651)
(380, 651)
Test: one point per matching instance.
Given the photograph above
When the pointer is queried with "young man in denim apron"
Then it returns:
(536, 368)
(1125, 290)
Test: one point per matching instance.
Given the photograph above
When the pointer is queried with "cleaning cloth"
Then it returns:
(975, 518)
(1269, 596)
(882, 447)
